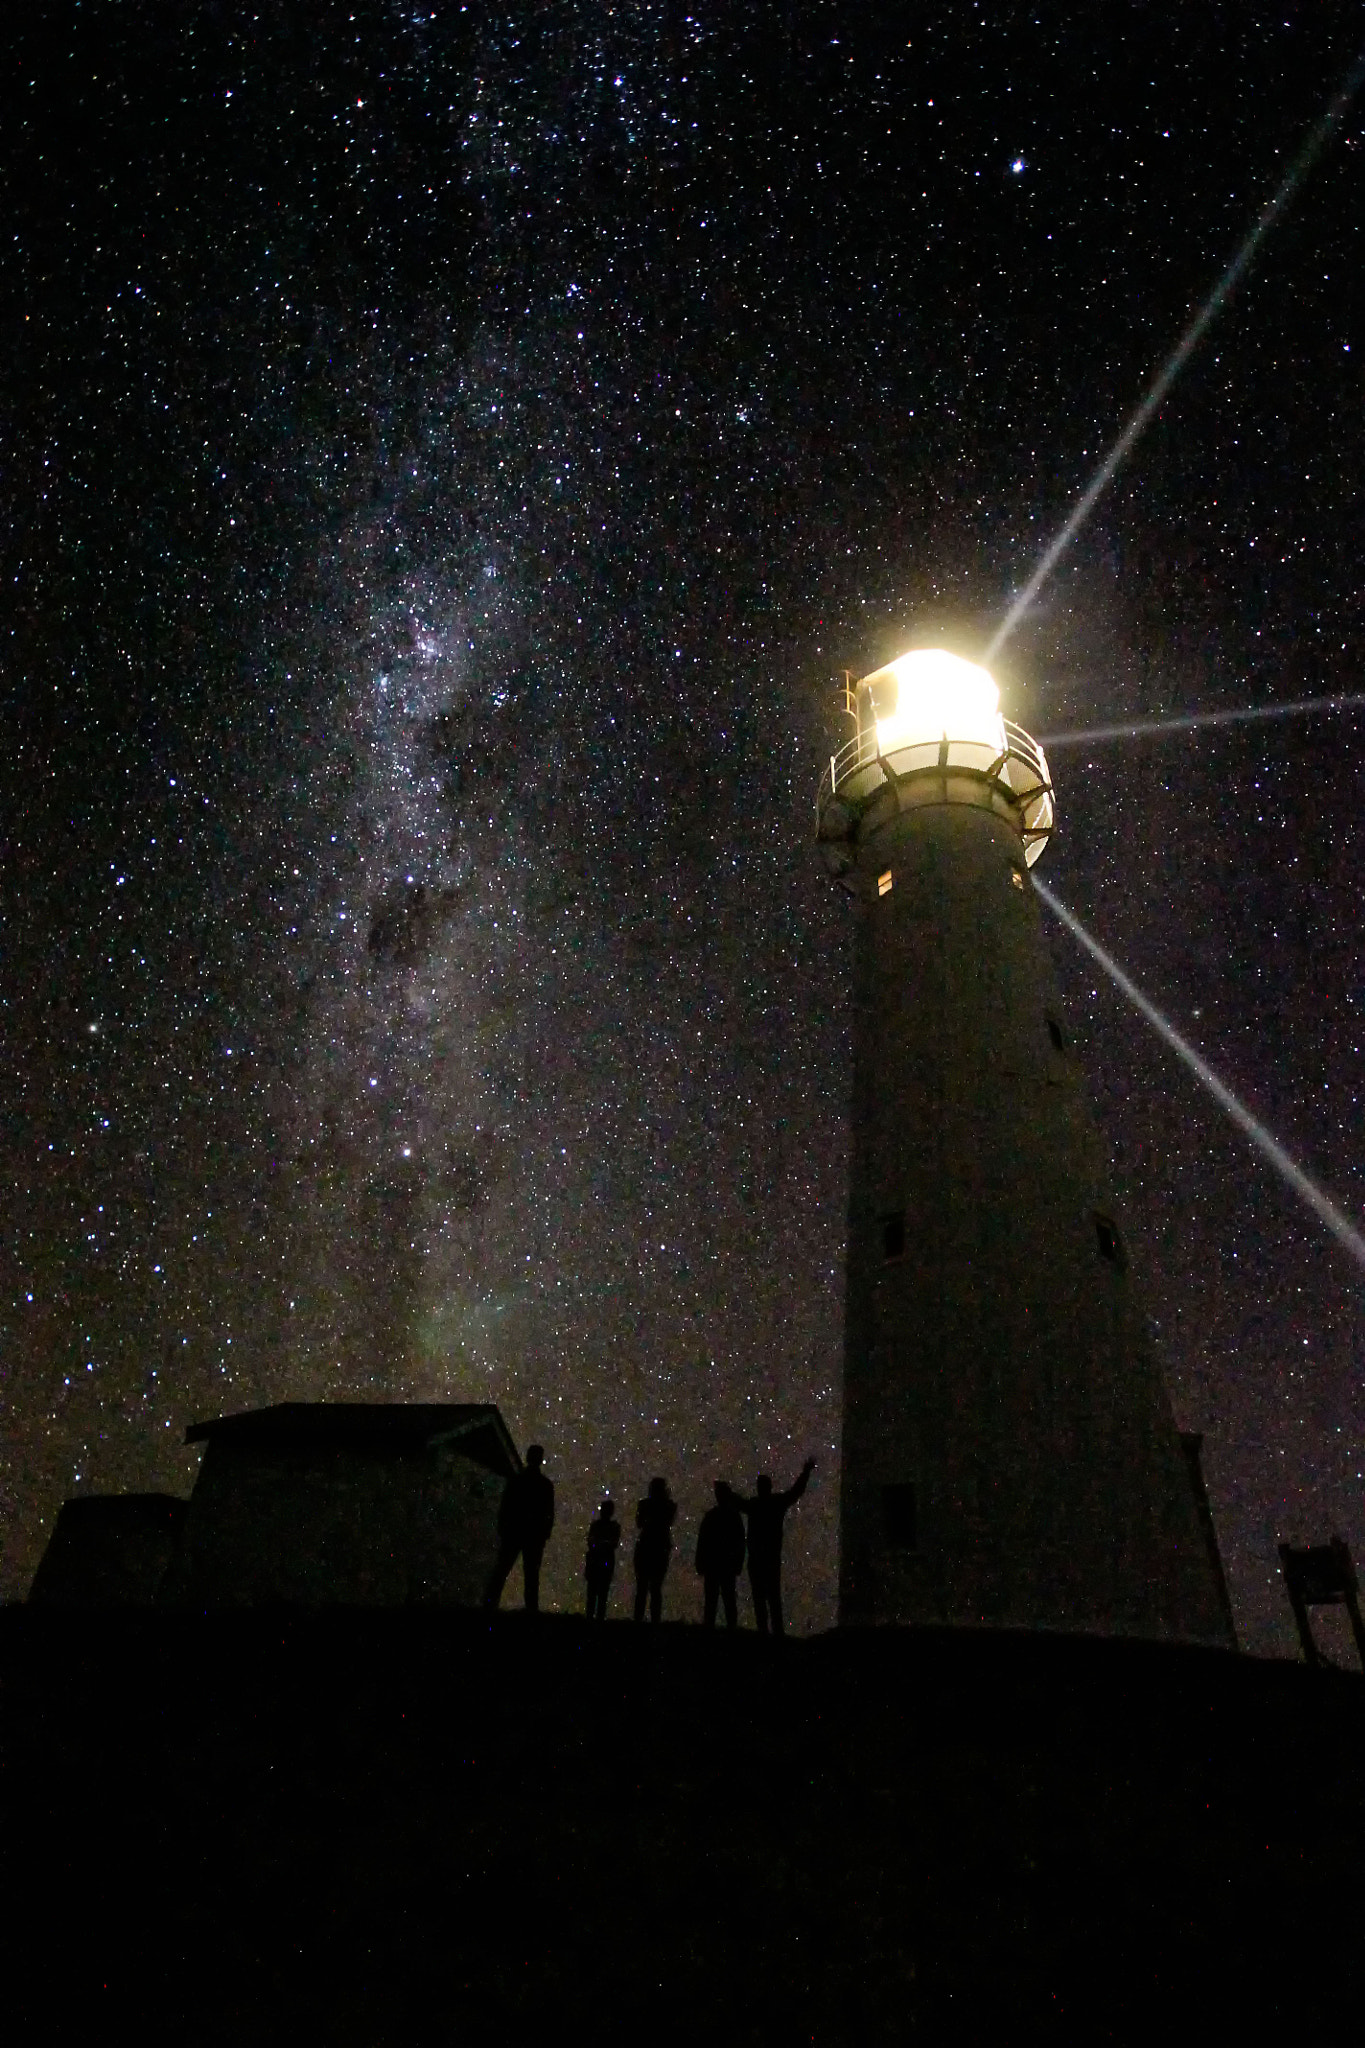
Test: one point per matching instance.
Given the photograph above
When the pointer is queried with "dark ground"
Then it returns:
(394, 1828)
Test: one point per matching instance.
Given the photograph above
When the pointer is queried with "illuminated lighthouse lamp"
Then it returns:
(930, 731)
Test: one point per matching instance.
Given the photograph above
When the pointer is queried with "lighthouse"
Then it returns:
(1010, 1457)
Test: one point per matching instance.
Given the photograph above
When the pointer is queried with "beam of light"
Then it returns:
(1318, 136)
(1194, 721)
(1268, 1146)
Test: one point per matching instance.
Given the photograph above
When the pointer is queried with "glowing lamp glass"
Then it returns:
(929, 695)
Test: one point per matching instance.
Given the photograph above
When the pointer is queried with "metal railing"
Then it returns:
(1020, 772)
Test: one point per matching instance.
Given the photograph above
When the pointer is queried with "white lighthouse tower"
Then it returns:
(1009, 1453)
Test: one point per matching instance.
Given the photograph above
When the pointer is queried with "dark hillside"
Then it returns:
(394, 1829)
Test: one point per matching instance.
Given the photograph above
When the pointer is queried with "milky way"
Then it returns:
(451, 458)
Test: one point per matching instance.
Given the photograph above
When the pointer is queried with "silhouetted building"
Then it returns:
(1192, 1444)
(1009, 1451)
(346, 1503)
(109, 1550)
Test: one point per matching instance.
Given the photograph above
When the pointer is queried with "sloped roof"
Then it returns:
(151, 1509)
(383, 1427)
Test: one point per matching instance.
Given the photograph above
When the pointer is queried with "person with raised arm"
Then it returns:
(767, 1511)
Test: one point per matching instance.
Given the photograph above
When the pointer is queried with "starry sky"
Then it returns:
(447, 456)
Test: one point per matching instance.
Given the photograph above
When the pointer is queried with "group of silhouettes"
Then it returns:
(738, 1529)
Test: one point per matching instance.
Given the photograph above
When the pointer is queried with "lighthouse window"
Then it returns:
(884, 883)
(1056, 1034)
(898, 1517)
(893, 1236)
(1110, 1243)
(1017, 878)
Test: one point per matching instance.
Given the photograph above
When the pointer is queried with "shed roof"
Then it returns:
(130, 1509)
(383, 1427)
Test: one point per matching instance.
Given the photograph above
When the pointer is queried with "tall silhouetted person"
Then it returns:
(653, 1548)
(525, 1519)
(766, 1512)
(720, 1554)
(603, 1536)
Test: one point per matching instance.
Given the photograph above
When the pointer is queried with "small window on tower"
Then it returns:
(898, 1517)
(1110, 1243)
(893, 1236)
(884, 883)
(1056, 1034)
(1016, 876)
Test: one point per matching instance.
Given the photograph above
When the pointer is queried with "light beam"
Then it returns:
(1317, 138)
(1195, 721)
(1267, 1145)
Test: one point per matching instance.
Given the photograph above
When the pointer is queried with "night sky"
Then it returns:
(447, 456)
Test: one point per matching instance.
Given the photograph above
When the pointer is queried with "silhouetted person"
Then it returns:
(720, 1554)
(525, 1519)
(766, 1511)
(603, 1536)
(653, 1548)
